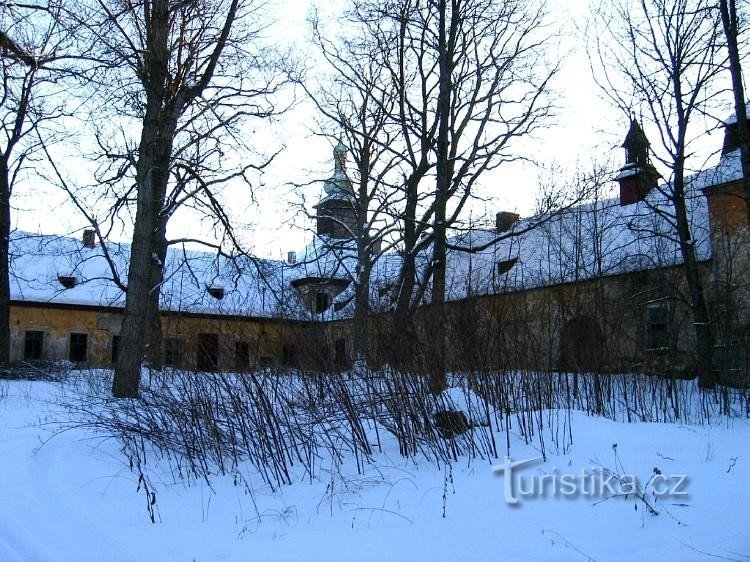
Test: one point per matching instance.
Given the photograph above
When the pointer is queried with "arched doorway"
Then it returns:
(581, 345)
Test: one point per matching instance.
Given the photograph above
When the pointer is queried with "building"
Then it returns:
(598, 286)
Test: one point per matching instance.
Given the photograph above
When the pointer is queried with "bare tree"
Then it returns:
(732, 32)
(357, 108)
(468, 76)
(182, 71)
(660, 57)
(37, 53)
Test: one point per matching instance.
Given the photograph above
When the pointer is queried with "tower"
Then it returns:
(638, 176)
(336, 217)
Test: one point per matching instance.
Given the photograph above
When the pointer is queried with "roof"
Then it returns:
(598, 238)
(251, 287)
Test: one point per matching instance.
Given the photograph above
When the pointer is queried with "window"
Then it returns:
(241, 356)
(322, 301)
(33, 345)
(67, 281)
(208, 352)
(172, 352)
(505, 266)
(657, 326)
(115, 348)
(79, 347)
(340, 353)
(216, 292)
(288, 355)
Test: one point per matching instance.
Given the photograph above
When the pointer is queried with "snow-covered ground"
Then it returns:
(72, 496)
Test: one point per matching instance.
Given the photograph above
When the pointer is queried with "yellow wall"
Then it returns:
(265, 337)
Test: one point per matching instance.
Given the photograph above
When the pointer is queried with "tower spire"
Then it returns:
(335, 212)
(638, 176)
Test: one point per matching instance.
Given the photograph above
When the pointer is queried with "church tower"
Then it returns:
(638, 176)
(336, 216)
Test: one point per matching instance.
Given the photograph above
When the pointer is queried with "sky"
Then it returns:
(513, 187)
(273, 222)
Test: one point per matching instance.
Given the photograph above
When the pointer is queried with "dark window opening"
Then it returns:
(33, 345)
(341, 305)
(241, 356)
(79, 347)
(657, 326)
(326, 225)
(172, 352)
(115, 348)
(505, 266)
(89, 238)
(216, 292)
(322, 301)
(67, 281)
(208, 352)
(289, 355)
(340, 353)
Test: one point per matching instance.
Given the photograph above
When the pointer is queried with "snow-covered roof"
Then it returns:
(598, 238)
(595, 239)
(250, 287)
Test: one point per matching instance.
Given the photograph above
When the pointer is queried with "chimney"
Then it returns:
(376, 246)
(505, 220)
(89, 238)
(291, 258)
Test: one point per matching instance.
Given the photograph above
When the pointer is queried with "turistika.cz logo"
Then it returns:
(598, 482)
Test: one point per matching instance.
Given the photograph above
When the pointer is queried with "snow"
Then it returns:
(71, 496)
(731, 118)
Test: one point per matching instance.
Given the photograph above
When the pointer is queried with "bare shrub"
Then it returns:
(277, 428)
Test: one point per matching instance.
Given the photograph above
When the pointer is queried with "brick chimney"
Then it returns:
(89, 238)
(505, 220)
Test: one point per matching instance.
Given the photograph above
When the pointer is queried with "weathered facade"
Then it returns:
(89, 335)
(598, 288)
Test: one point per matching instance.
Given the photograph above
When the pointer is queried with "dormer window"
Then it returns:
(216, 292)
(67, 281)
(322, 301)
(504, 266)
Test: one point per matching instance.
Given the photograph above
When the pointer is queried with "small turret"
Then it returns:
(335, 212)
(638, 176)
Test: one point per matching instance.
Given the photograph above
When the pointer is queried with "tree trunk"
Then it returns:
(730, 23)
(438, 266)
(4, 262)
(362, 313)
(157, 136)
(701, 319)
(134, 323)
(155, 347)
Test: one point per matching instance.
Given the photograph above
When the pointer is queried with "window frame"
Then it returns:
(26, 342)
(322, 301)
(172, 352)
(76, 345)
(657, 333)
